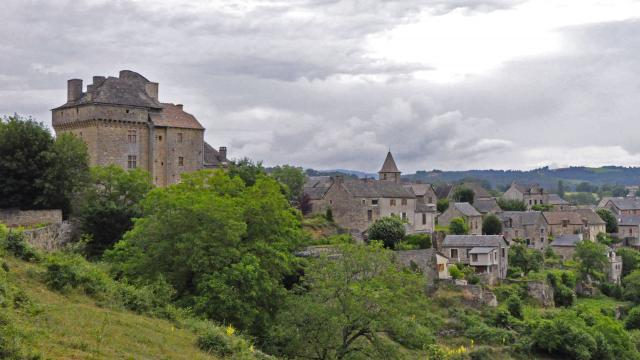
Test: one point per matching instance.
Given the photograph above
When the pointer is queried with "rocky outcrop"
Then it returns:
(50, 237)
(477, 295)
(541, 292)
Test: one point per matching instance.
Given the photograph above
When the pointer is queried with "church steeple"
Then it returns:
(389, 170)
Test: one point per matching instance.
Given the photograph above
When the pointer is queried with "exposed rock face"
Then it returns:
(477, 295)
(50, 237)
(542, 292)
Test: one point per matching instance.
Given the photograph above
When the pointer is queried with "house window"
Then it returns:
(330, 201)
(542, 240)
(131, 136)
(474, 257)
(529, 201)
(374, 202)
(541, 231)
(179, 137)
(369, 215)
(127, 111)
(430, 200)
(364, 202)
(503, 252)
(535, 202)
(468, 250)
(132, 161)
(404, 216)
(424, 219)
(454, 253)
(180, 161)
(565, 223)
(404, 201)
(159, 137)
(392, 202)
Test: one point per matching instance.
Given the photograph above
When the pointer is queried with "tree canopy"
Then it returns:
(463, 194)
(390, 230)
(592, 259)
(458, 226)
(292, 178)
(610, 219)
(38, 171)
(224, 247)
(523, 257)
(491, 225)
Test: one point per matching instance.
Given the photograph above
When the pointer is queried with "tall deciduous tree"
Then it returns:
(107, 207)
(358, 306)
(491, 225)
(610, 219)
(463, 194)
(292, 178)
(225, 247)
(592, 259)
(524, 258)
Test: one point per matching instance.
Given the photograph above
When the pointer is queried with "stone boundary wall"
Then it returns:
(424, 259)
(16, 217)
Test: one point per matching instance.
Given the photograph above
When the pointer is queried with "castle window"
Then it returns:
(369, 215)
(132, 137)
(180, 161)
(374, 202)
(392, 202)
(404, 201)
(179, 137)
(132, 162)
(424, 219)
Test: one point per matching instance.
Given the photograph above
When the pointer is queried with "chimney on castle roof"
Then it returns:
(152, 90)
(180, 106)
(74, 89)
(223, 152)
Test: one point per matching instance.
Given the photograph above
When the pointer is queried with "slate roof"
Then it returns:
(422, 207)
(212, 157)
(527, 188)
(568, 240)
(129, 89)
(486, 205)
(466, 209)
(557, 217)
(626, 203)
(443, 190)
(317, 186)
(629, 220)
(555, 199)
(520, 218)
(473, 241)
(420, 189)
(481, 250)
(173, 116)
(369, 188)
(591, 216)
(389, 165)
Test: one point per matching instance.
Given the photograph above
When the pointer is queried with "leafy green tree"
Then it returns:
(390, 230)
(586, 187)
(514, 305)
(107, 207)
(247, 170)
(442, 205)
(630, 260)
(592, 260)
(68, 173)
(581, 198)
(223, 246)
(417, 241)
(633, 319)
(525, 258)
(560, 188)
(292, 178)
(38, 171)
(610, 219)
(458, 226)
(631, 285)
(358, 306)
(463, 194)
(542, 207)
(491, 225)
(512, 205)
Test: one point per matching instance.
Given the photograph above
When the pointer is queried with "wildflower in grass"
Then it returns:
(230, 330)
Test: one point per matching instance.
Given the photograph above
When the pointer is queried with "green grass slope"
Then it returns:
(50, 325)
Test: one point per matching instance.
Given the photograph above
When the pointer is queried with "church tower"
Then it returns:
(389, 170)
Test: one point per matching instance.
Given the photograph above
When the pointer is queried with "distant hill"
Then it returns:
(546, 177)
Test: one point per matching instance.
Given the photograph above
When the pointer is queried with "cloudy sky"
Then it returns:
(455, 84)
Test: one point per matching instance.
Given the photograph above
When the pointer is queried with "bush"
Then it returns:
(633, 319)
(564, 296)
(66, 272)
(503, 292)
(418, 241)
(442, 205)
(216, 343)
(455, 272)
(611, 290)
(514, 305)
(485, 334)
(390, 230)
(458, 226)
(15, 243)
(559, 337)
(329, 215)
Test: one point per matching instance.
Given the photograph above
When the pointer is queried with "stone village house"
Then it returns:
(487, 254)
(471, 216)
(533, 195)
(531, 226)
(565, 247)
(579, 221)
(123, 122)
(357, 203)
(621, 206)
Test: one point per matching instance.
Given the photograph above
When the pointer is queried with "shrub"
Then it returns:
(216, 343)
(455, 272)
(564, 296)
(561, 337)
(473, 279)
(458, 226)
(633, 319)
(390, 230)
(486, 334)
(611, 290)
(503, 292)
(442, 205)
(15, 243)
(419, 241)
(514, 305)
(329, 215)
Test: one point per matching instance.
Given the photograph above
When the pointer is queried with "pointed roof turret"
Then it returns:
(389, 165)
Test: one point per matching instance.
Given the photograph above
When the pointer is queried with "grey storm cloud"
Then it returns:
(291, 81)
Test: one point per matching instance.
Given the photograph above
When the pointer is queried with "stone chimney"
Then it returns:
(74, 89)
(180, 106)
(152, 90)
(222, 150)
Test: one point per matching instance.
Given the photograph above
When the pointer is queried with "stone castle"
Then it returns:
(123, 122)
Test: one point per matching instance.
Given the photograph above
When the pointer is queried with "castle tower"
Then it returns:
(389, 170)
